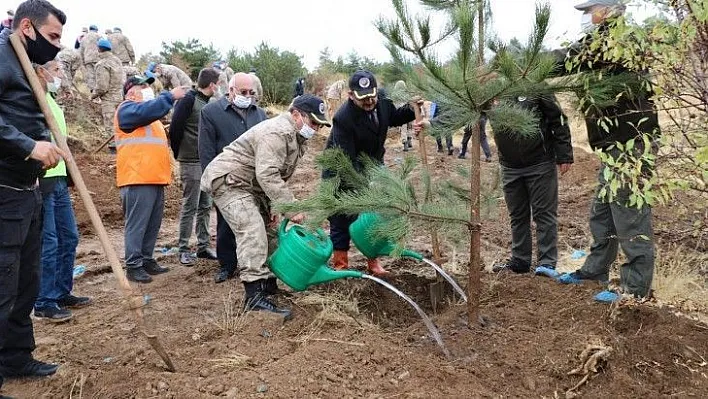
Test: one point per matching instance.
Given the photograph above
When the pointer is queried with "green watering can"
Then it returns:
(369, 246)
(301, 258)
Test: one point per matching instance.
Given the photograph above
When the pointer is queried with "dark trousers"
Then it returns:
(60, 237)
(20, 249)
(225, 243)
(448, 142)
(532, 192)
(142, 209)
(339, 230)
(482, 138)
(614, 225)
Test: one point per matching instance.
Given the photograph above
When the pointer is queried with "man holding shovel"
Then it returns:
(25, 151)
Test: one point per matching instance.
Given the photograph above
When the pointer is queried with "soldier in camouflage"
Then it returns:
(110, 78)
(250, 174)
(89, 55)
(69, 62)
(122, 48)
(170, 76)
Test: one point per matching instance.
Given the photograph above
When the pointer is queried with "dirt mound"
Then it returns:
(354, 339)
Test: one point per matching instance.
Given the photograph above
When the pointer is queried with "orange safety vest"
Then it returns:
(142, 156)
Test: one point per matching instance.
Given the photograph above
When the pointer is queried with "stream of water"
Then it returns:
(428, 323)
(449, 279)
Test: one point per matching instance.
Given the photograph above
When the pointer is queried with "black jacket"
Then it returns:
(21, 121)
(550, 144)
(355, 133)
(184, 126)
(626, 111)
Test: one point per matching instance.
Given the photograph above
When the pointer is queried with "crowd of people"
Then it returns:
(233, 156)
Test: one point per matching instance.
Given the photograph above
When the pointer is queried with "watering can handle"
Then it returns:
(283, 225)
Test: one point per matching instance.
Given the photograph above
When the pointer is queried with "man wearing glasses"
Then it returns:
(220, 123)
(360, 127)
(249, 175)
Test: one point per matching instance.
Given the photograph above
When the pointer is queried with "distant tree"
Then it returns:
(147, 58)
(193, 55)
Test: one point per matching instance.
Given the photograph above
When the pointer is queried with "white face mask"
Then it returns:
(147, 94)
(586, 24)
(306, 130)
(54, 85)
(241, 101)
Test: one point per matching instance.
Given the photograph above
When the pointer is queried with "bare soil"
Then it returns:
(352, 339)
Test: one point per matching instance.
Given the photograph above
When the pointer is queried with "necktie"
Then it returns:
(374, 118)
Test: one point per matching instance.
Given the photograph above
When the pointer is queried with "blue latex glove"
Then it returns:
(607, 297)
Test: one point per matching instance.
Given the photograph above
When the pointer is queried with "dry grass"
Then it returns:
(234, 362)
(231, 318)
(677, 278)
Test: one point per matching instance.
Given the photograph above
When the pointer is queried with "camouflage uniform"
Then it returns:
(122, 48)
(110, 78)
(223, 82)
(89, 56)
(334, 96)
(173, 77)
(250, 173)
(130, 71)
(70, 62)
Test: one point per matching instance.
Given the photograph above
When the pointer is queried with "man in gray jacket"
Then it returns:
(184, 133)
(250, 174)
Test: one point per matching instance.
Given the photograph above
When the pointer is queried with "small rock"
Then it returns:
(107, 359)
(393, 381)
(204, 373)
(350, 376)
(232, 393)
(162, 386)
(404, 375)
(266, 334)
(262, 388)
(148, 387)
(196, 337)
(217, 389)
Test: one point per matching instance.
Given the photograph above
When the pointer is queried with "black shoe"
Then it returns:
(461, 156)
(450, 151)
(488, 159)
(74, 302)
(53, 314)
(152, 268)
(32, 368)
(257, 299)
(186, 259)
(513, 264)
(271, 288)
(207, 254)
(224, 274)
(139, 275)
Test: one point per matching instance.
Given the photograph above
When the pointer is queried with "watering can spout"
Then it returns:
(412, 254)
(326, 274)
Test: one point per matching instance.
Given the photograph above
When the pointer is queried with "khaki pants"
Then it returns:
(248, 216)
(90, 75)
(108, 110)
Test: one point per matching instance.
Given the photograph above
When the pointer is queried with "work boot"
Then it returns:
(186, 259)
(450, 150)
(256, 299)
(374, 268)
(53, 314)
(207, 254)
(271, 288)
(74, 302)
(409, 142)
(461, 155)
(513, 264)
(139, 275)
(152, 268)
(30, 368)
(340, 261)
(224, 274)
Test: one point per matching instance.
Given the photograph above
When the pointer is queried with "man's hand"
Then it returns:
(47, 153)
(179, 92)
(563, 168)
(273, 222)
(298, 219)
(418, 126)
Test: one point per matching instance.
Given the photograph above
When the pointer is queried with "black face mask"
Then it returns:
(40, 50)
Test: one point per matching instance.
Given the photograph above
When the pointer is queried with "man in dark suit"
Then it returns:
(359, 127)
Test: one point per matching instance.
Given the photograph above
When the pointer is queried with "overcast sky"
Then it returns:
(304, 27)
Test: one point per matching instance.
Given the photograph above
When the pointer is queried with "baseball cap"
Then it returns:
(591, 3)
(105, 43)
(363, 84)
(93, 28)
(136, 81)
(314, 106)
